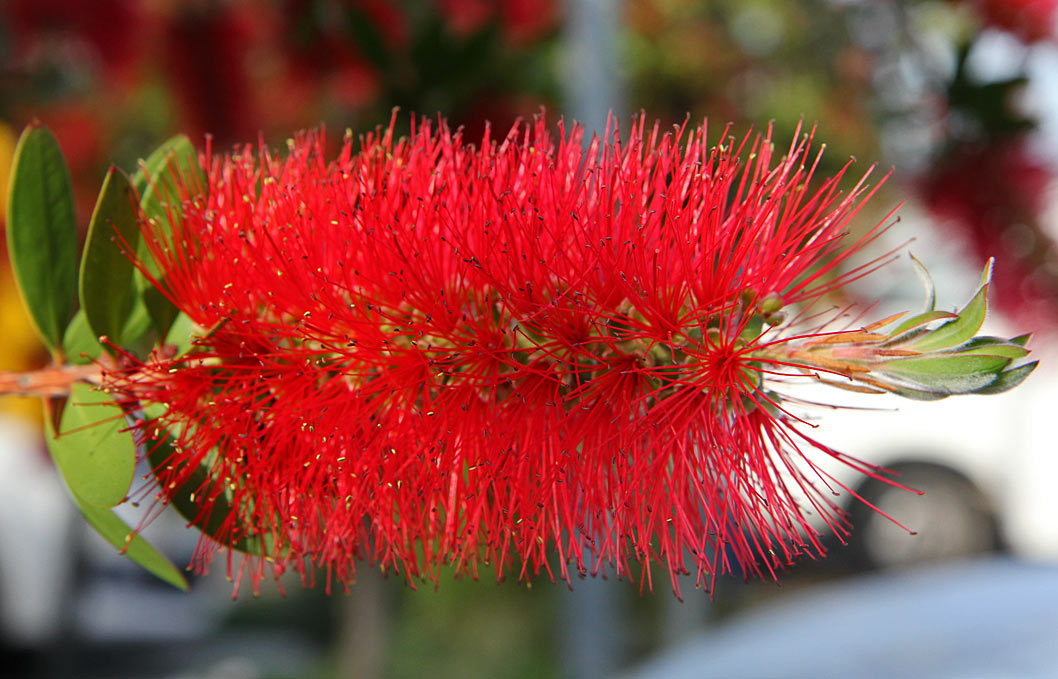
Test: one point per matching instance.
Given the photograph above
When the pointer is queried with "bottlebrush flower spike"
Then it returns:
(524, 353)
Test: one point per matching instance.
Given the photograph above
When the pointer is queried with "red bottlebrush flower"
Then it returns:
(523, 353)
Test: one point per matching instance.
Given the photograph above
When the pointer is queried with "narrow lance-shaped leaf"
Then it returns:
(899, 333)
(79, 343)
(136, 335)
(42, 233)
(118, 533)
(178, 147)
(168, 169)
(109, 525)
(172, 167)
(963, 328)
(927, 282)
(918, 394)
(106, 285)
(946, 374)
(1008, 379)
(162, 312)
(1007, 350)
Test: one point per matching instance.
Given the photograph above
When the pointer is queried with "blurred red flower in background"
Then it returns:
(110, 30)
(521, 20)
(1029, 20)
(238, 69)
(206, 57)
(993, 195)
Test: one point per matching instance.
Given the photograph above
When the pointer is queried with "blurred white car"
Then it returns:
(992, 617)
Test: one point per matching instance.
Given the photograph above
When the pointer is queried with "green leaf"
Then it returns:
(963, 328)
(1008, 379)
(988, 341)
(754, 328)
(904, 338)
(171, 171)
(96, 457)
(986, 273)
(180, 334)
(982, 345)
(111, 527)
(918, 321)
(106, 285)
(161, 311)
(115, 531)
(946, 373)
(918, 394)
(176, 151)
(186, 499)
(42, 233)
(137, 327)
(168, 173)
(927, 281)
(79, 344)
(189, 498)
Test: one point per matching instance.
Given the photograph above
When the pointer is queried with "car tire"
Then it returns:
(952, 519)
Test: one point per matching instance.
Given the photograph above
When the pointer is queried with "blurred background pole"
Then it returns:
(592, 625)
(591, 84)
(365, 626)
